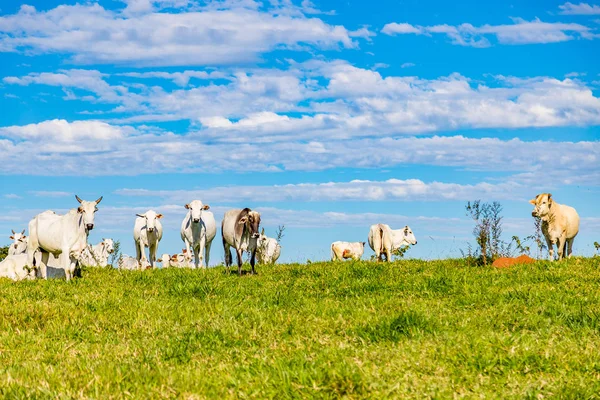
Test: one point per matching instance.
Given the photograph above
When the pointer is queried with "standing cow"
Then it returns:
(384, 240)
(239, 230)
(19, 245)
(198, 229)
(147, 232)
(560, 224)
(64, 235)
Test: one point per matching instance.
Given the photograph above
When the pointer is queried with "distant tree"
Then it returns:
(487, 232)
(116, 254)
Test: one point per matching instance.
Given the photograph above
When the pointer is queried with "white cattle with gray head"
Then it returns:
(239, 230)
(62, 235)
(198, 229)
(147, 232)
(560, 224)
(268, 249)
(19, 244)
(97, 255)
(385, 240)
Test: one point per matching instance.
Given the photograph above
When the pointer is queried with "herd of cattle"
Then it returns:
(65, 237)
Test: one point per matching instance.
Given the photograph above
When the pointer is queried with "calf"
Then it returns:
(126, 262)
(147, 232)
(344, 250)
(560, 224)
(15, 267)
(239, 230)
(19, 244)
(268, 249)
(97, 255)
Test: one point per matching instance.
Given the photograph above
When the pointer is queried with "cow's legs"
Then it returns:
(570, 246)
(550, 245)
(198, 250)
(228, 258)
(207, 253)
(239, 260)
(72, 265)
(388, 254)
(65, 262)
(152, 253)
(252, 261)
(44, 264)
(561, 247)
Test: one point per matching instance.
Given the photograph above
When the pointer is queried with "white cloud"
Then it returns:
(407, 65)
(12, 196)
(357, 190)
(46, 193)
(521, 32)
(208, 36)
(62, 131)
(179, 78)
(579, 9)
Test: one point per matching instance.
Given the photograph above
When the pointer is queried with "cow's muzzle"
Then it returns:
(196, 220)
(534, 214)
(150, 229)
(89, 227)
(415, 242)
(255, 235)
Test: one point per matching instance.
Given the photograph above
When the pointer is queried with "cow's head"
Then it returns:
(87, 210)
(19, 239)
(151, 217)
(542, 205)
(251, 219)
(196, 207)
(408, 235)
(109, 245)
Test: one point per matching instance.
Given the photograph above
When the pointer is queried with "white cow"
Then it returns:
(130, 263)
(384, 240)
(19, 245)
(147, 232)
(180, 260)
(268, 249)
(15, 267)
(560, 224)
(64, 235)
(343, 250)
(239, 230)
(97, 255)
(198, 229)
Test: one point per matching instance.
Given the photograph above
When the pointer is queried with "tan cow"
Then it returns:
(343, 250)
(560, 224)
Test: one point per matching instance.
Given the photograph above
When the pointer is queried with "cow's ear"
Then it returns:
(549, 197)
(243, 220)
(159, 216)
(187, 206)
(12, 237)
(79, 209)
(532, 201)
(206, 207)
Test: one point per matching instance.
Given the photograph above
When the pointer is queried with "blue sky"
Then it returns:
(326, 116)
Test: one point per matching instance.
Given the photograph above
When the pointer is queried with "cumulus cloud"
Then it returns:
(143, 36)
(520, 32)
(579, 9)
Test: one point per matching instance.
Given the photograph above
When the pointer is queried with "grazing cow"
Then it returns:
(268, 249)
(560, 224)
(61, 234)
(239, 230)
(97, 255)
(147, 232)
(343, 250)
(198, 230)
(130, 263)
(19, 245)
(384, 240)
(15, 267)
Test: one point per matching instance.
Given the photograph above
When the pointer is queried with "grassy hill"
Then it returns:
(405, 329)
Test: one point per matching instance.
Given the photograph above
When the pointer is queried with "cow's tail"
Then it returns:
(332, 253)
(379, 238)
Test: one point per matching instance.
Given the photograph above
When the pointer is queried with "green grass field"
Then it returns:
(412, 328)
